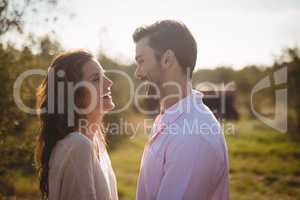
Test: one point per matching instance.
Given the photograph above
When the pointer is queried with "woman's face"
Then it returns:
(94, 75)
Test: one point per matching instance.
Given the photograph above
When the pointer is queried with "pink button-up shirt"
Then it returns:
(186, 155)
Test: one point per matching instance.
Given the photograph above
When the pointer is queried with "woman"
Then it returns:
(72, 160)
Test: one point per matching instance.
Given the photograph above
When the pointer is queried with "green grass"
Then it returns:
(126, 163)
(264, 164)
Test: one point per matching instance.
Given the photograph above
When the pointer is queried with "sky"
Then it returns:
(232, 33)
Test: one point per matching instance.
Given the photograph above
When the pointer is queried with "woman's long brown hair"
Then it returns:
(65, 68)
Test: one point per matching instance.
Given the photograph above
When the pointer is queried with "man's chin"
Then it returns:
(151, 90)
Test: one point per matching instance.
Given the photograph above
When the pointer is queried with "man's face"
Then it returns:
(148, 67)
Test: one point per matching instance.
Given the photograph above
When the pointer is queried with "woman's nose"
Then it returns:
(109, 82)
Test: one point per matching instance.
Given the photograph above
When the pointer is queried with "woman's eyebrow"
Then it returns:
(94, 74)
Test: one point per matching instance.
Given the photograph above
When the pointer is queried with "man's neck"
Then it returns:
(172, 95)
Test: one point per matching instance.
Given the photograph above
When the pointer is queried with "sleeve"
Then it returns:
(189, 170)
(79, 179)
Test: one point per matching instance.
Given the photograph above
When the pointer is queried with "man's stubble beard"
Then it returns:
(150, 89)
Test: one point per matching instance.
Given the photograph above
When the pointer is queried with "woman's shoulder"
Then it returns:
(75, 142)
(77, 139)
(79, 147)
(71, 146)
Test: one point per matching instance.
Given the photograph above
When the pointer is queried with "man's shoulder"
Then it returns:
(198, 132)
(196, 123)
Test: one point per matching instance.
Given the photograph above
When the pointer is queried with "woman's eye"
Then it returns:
(96, 79)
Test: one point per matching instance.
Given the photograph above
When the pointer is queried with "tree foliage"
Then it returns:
(13, 13)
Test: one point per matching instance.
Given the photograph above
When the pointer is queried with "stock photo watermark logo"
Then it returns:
(135, 93)
(62, 88)
(70, 88)
(279, 121)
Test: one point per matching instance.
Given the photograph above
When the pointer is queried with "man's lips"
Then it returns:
(143, 78)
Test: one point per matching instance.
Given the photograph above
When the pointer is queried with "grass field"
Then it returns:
(264, 164)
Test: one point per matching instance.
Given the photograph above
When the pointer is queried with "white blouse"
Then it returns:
(76, 172)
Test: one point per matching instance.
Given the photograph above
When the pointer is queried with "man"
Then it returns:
(186, 155)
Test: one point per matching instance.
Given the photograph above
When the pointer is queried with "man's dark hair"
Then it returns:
(173, 35)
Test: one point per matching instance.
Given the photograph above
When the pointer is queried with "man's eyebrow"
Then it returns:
(137, 57)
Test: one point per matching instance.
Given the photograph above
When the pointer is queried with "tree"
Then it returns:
(17, 129)
(13, 12)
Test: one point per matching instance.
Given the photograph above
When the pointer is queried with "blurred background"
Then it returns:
(240, 43)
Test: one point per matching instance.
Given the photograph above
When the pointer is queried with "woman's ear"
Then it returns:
(167, 59)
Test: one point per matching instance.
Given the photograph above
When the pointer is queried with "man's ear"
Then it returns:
(167, 59)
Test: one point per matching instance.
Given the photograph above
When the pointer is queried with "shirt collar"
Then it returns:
(184, 105)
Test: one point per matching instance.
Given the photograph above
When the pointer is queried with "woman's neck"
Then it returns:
(89, 127)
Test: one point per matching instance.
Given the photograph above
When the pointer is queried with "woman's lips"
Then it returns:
(106, 96)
